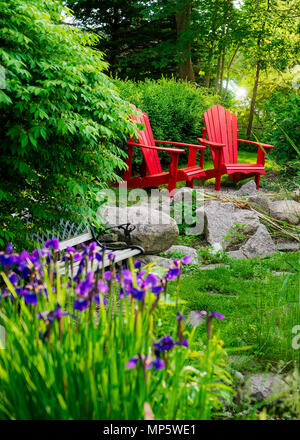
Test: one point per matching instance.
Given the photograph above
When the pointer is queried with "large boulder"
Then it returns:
(285, 210)
(262, 386)
(259, 245)
(220, 219)
(154, 230)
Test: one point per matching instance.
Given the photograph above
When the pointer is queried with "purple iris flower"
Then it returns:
(187, 259)
(173, 273)
(85, 286)
(151, 279)
(71, 249)
(13, 278)
(217, 315)
(122, 293)
(57, 313)
(53, 243)
(81, 304)
(111, 256)
(157, 289)
(30, 298)
(137, 293)
(183, 342)
(166, 343)
(126, 274)
(102, 286)
(99, 299)
(180, 316)
(158, 363)
(137, 264)
(107, 275)
(9, 259)
(9, 249)
(132, 362)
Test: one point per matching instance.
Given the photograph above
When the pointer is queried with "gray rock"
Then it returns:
(183, 194)
(185, 250)
(262, 386)
(259, 245)
(285, 210)
(248, 188)
(110, 237)
(287, 246)
(154, 230)
(260, 203)
(237, 254)
(159, 261)
(220, 218)
(198, 229)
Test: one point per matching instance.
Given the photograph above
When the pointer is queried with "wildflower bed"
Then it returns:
(92, 347)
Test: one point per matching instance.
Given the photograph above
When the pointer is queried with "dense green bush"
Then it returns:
(175, 108)
(281, 124)
(60, 117)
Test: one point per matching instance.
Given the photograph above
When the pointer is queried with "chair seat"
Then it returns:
(190, 173)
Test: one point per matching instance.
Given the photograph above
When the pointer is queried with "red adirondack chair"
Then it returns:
(151, 173)
(221, 129)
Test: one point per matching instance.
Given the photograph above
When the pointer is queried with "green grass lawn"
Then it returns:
(260, 307)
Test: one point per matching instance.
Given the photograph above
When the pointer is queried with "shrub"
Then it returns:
(281, 115)
(91, 348)
(60, 118)
(175, 108)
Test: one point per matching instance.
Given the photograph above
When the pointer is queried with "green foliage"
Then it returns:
(280, 118)
(175, 108)
(60, 118)
(139, 41)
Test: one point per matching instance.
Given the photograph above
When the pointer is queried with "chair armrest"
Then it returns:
(210, 143)
(258, 144)
(168, 150)
(199, 147)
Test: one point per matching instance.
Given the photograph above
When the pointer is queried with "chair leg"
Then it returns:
(218, 182)
(257, 179)
(190, 183)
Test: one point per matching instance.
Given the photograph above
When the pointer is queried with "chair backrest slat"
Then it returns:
(221, 127)
(146, 137)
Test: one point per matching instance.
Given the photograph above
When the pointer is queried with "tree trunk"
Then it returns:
(253, 99)
(211, 47)
(222, 72)
(217, 76)
(228, 69)
(185, 66)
